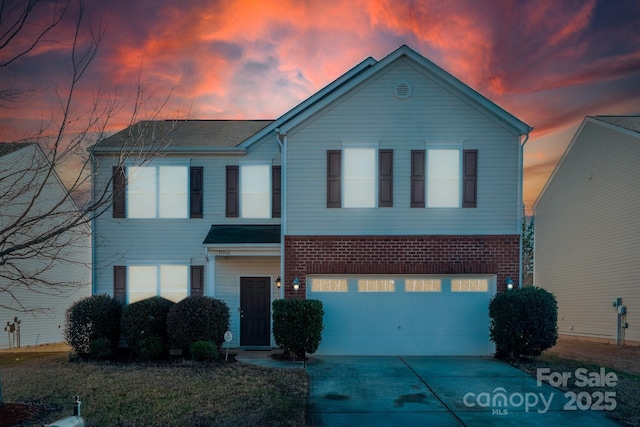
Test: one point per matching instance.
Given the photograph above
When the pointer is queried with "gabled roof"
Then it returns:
(184, 135)
(237, 135)
(629, 125)
(519, 127)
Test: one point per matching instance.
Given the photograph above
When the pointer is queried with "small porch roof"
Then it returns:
(242, 234)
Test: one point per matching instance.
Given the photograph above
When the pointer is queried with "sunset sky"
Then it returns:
(548, 62)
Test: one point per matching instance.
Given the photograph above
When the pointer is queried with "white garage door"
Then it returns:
(404, 315)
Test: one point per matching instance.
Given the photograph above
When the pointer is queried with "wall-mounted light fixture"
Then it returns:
(509, 283)
(296, 284)
(278, 282)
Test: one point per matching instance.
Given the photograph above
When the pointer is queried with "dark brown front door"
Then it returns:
(255, 313)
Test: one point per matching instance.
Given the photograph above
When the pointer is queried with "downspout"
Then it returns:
(521, 198)
(282, 142)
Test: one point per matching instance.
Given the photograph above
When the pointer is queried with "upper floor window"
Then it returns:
(157, 191)
(359, 177)
(253, 191)
(444, 178)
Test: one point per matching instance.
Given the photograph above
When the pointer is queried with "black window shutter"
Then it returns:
(120, 283)
(334, 169)
(417, 178)
(276, 191)
(195, 191)
(197, 280)
(470, 178)
(385, 178)
(118, 185)
(232, 192)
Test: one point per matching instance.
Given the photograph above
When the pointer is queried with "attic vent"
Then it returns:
(402, 90)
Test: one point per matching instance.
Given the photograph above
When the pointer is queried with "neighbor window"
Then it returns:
(166, 280)
(422, 285)
(470, 285)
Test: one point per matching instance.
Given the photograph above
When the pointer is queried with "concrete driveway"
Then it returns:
(439, 391)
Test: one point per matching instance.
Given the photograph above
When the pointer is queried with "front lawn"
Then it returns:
(176, 394)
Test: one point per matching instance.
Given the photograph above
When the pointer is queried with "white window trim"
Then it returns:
(445, 145)
(376, 178)
(269, 191)
(157, 164)
(157, 265)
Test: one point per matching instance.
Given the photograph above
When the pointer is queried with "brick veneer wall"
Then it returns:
(491, 254)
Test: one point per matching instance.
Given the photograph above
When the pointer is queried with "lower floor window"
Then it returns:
(166, 280)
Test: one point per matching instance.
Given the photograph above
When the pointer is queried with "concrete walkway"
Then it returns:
(439, 391)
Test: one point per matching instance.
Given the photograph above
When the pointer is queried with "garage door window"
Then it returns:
(470, 285)
(329, 285)
(423, 285)
(376, 285)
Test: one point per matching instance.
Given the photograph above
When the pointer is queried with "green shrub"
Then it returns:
(101, 349)
(203, 351)
(92, 318)
(151, 348)
(197, 318)
(146, 319)
(523, 322)
(297, 325)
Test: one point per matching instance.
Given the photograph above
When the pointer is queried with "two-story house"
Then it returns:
(393, 195)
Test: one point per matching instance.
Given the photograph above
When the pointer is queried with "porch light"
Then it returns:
(296, 284)
(509, 283)
(278, 282)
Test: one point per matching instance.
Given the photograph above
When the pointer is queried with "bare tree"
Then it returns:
(39, 227)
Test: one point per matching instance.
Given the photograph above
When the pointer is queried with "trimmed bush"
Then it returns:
(523, 322)
(203, 351)
(297, 326)
(197, 318)
(146, 319)
(90, 319)
(101, 349)
(151, 348)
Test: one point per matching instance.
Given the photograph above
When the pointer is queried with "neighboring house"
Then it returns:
(393, 195)
(40, 281)
(587, 233)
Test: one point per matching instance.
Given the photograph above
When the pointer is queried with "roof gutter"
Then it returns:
(521, 208)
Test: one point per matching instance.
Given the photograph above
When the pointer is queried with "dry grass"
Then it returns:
(221, 394)
(570, 356)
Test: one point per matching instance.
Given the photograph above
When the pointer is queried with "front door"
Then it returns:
(255, 313)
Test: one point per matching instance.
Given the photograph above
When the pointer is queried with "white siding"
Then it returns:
(63, 262)
(370, 113)
(587, 234)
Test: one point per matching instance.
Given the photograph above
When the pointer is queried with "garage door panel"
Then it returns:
(406, 323)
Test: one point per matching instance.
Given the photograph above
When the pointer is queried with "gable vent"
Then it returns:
(402, 90)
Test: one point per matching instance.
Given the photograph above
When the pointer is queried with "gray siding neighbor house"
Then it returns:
(393, 195)
(587, 233)
(40, 281)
